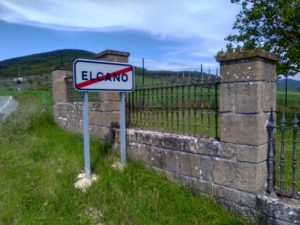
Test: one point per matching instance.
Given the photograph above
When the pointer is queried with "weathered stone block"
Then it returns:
(246, 153)
(157, 157)
(195, 166)
(109, 106)
(164, 159)
(94, 118)
(111, 96)
(244, 129)
(201, 186)
(113, 56)
(243, 176)
(60, 96)
(103, 133)
(144, 154)
(248, 97)
(59, 86)
(227, 97)
(61, 74)
(115, 118)
(269, 96)
(233, 195)
(95, 106)
(256, 65)
(251, 214)
(283, 211)
(132, 153)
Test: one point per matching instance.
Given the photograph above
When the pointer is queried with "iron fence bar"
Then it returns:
(283, 125)
(161, 108)
(189, 104)
(172, 110)
(142, 113)
(195, 107)
(154, 105)
(167, 109)
(128, 113)
(149, 106)
(270, 162)
(177, 107)
(183, 107)
(294, 163)
(201, 103)
(158, 106)
(137, 108)
(216, 110)
(208, 104)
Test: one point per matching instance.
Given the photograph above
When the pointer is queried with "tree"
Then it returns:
(273, 25)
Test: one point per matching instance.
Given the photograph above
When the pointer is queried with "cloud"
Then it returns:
(165, 19)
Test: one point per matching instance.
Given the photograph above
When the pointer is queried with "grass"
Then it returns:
(39, 163)
(293, 101)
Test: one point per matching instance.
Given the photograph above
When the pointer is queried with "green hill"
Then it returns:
(41, 63)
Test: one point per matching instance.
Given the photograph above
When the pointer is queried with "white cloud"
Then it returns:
(168, 18)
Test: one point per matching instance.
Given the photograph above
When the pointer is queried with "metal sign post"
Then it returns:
(86, 135)
(122, 128)
(102, 76)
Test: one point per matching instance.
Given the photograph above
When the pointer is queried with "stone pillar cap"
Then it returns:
(258, 52)
(112, 52)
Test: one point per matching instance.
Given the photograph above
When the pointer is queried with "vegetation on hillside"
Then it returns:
(292, 85)
(42, 63)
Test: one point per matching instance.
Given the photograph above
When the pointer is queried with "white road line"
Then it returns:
(6, 104)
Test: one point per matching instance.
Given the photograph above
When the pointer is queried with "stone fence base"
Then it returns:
(199, 164)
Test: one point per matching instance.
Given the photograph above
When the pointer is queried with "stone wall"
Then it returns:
(232, 170)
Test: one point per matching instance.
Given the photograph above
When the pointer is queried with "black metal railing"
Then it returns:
(75, 96)
(185, 102)
(283, 151)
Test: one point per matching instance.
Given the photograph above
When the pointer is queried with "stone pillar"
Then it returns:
(248, 92)
(111, 100)
(59, 92)
(113, 56)
(59, 86)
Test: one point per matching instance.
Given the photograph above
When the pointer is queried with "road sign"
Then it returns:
(93, 75)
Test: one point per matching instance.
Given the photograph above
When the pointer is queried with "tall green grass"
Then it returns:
(39, 163)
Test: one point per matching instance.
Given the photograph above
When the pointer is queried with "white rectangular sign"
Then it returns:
(93, 75)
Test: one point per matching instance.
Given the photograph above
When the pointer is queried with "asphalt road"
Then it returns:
(7, 105)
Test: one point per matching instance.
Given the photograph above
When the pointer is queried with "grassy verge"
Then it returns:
(39, 163)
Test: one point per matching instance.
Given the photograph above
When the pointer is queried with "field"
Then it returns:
(39, 163)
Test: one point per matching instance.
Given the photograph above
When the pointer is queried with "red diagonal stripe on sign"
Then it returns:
(112, 74)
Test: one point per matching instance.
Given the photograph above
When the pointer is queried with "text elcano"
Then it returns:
(116, 76)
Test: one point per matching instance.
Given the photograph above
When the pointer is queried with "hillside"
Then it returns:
(41, 63)
(293, 85)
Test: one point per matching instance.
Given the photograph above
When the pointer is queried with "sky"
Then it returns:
(168, 34)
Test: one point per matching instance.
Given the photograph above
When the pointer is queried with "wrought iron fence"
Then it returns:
(75, 96)
(181, 102)
(283, 151)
